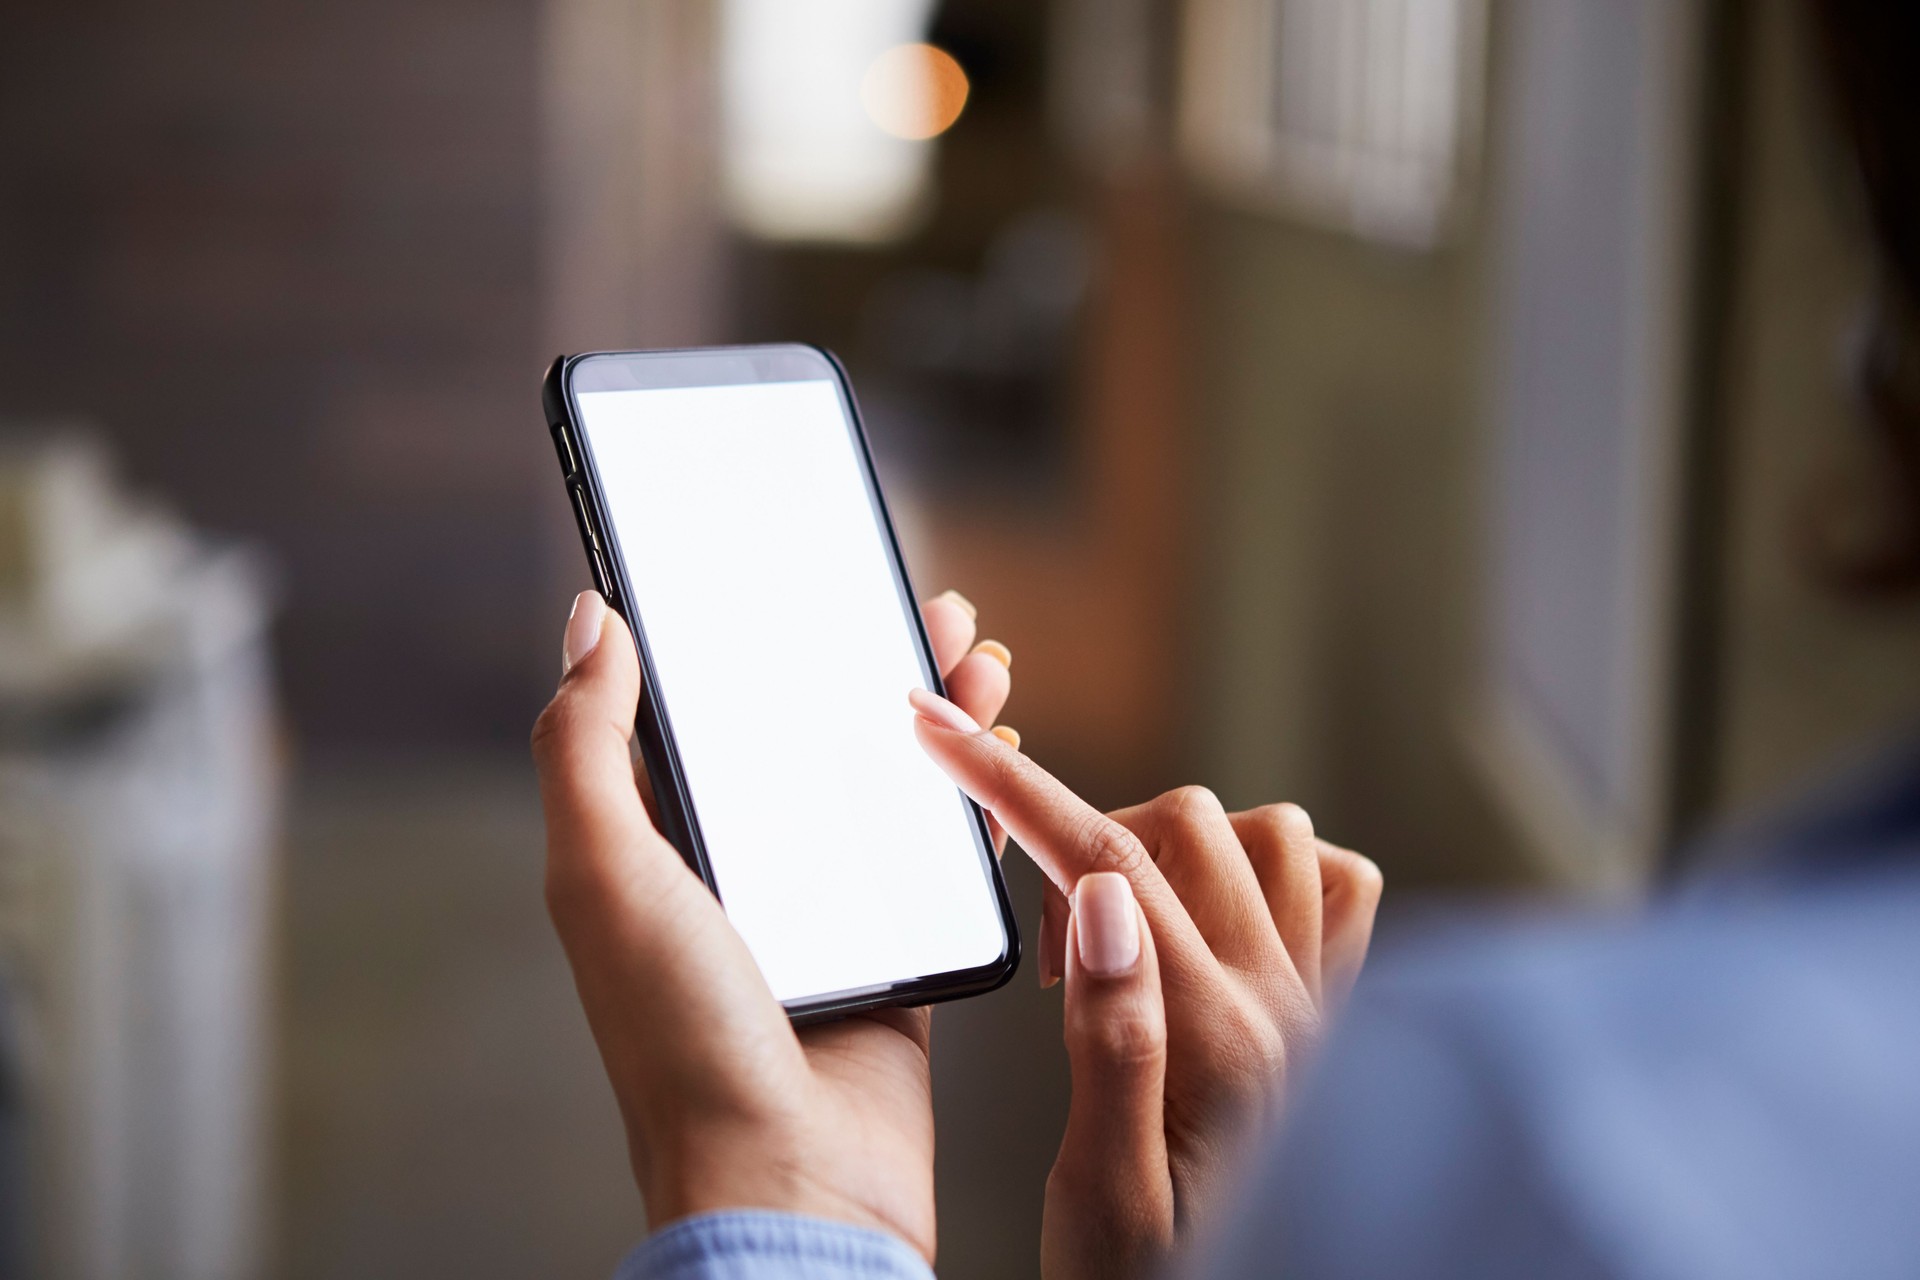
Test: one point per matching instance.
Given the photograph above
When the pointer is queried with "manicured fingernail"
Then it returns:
(997, 651)
(583, 629)
(938, 710)
(1007, 734)
(962, 601)
(1105, 920)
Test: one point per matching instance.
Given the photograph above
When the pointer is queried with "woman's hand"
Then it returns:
(1202, 951)
(725, 1105)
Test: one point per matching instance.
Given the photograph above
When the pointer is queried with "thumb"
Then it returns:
(1111, 1185)
(597, 827)
(667, 984)
(620, 895)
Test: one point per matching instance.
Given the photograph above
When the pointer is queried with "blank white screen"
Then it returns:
(844, 857)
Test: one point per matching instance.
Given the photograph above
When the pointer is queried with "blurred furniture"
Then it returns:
(138, 805)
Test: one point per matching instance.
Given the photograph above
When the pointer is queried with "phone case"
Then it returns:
(653, 727)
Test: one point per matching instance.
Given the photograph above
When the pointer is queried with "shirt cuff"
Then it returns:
(754, 1244)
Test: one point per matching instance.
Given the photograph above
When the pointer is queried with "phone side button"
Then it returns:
(602, 580)
(563, 445)
(580, 512)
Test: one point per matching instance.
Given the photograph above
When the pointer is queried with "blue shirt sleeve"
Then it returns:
(752, 1244)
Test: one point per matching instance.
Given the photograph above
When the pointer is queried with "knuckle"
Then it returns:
(1368, 880)
(1266, 830)
(1285, 822)
(1266, 1049)
(1293, 829)
(1287, 814)
(1251, 1051)
(1191, 806)
(1008, 773)
(1356, 875)
(1108, 846)
(1127, 1037)
(552, 727)
(1267, 817)
(1300, 1027)
(1282, 831)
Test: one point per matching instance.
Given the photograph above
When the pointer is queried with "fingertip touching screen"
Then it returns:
(764, 583)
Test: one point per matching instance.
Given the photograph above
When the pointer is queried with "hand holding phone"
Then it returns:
(726, 1103)
(713, 489)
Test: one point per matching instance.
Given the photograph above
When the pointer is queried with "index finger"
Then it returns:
(1064, 835)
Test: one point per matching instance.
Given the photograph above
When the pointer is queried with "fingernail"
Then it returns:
(1007, 734)
(1105, 920)
(938, 710)
(583, 629)
(997, 651)
(962, 601)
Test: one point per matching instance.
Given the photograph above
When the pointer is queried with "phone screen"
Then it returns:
(765, 585)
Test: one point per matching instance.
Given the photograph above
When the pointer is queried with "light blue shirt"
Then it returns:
(749, 1244)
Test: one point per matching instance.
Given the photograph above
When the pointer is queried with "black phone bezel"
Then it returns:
(653, 726)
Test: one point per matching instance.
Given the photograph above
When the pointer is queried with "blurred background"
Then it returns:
(1426, 410)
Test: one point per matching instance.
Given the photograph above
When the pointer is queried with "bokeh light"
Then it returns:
(914, 91)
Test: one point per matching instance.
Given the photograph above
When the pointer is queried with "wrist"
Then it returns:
(711, 1170)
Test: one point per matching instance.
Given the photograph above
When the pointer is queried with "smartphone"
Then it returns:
(729, 509)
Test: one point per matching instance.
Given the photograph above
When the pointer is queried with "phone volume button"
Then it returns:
(602, 580)
(587, 531)
(563, 445)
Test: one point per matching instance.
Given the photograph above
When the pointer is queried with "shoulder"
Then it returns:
(1719, 1087)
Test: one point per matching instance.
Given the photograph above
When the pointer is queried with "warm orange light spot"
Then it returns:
(914, 91)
